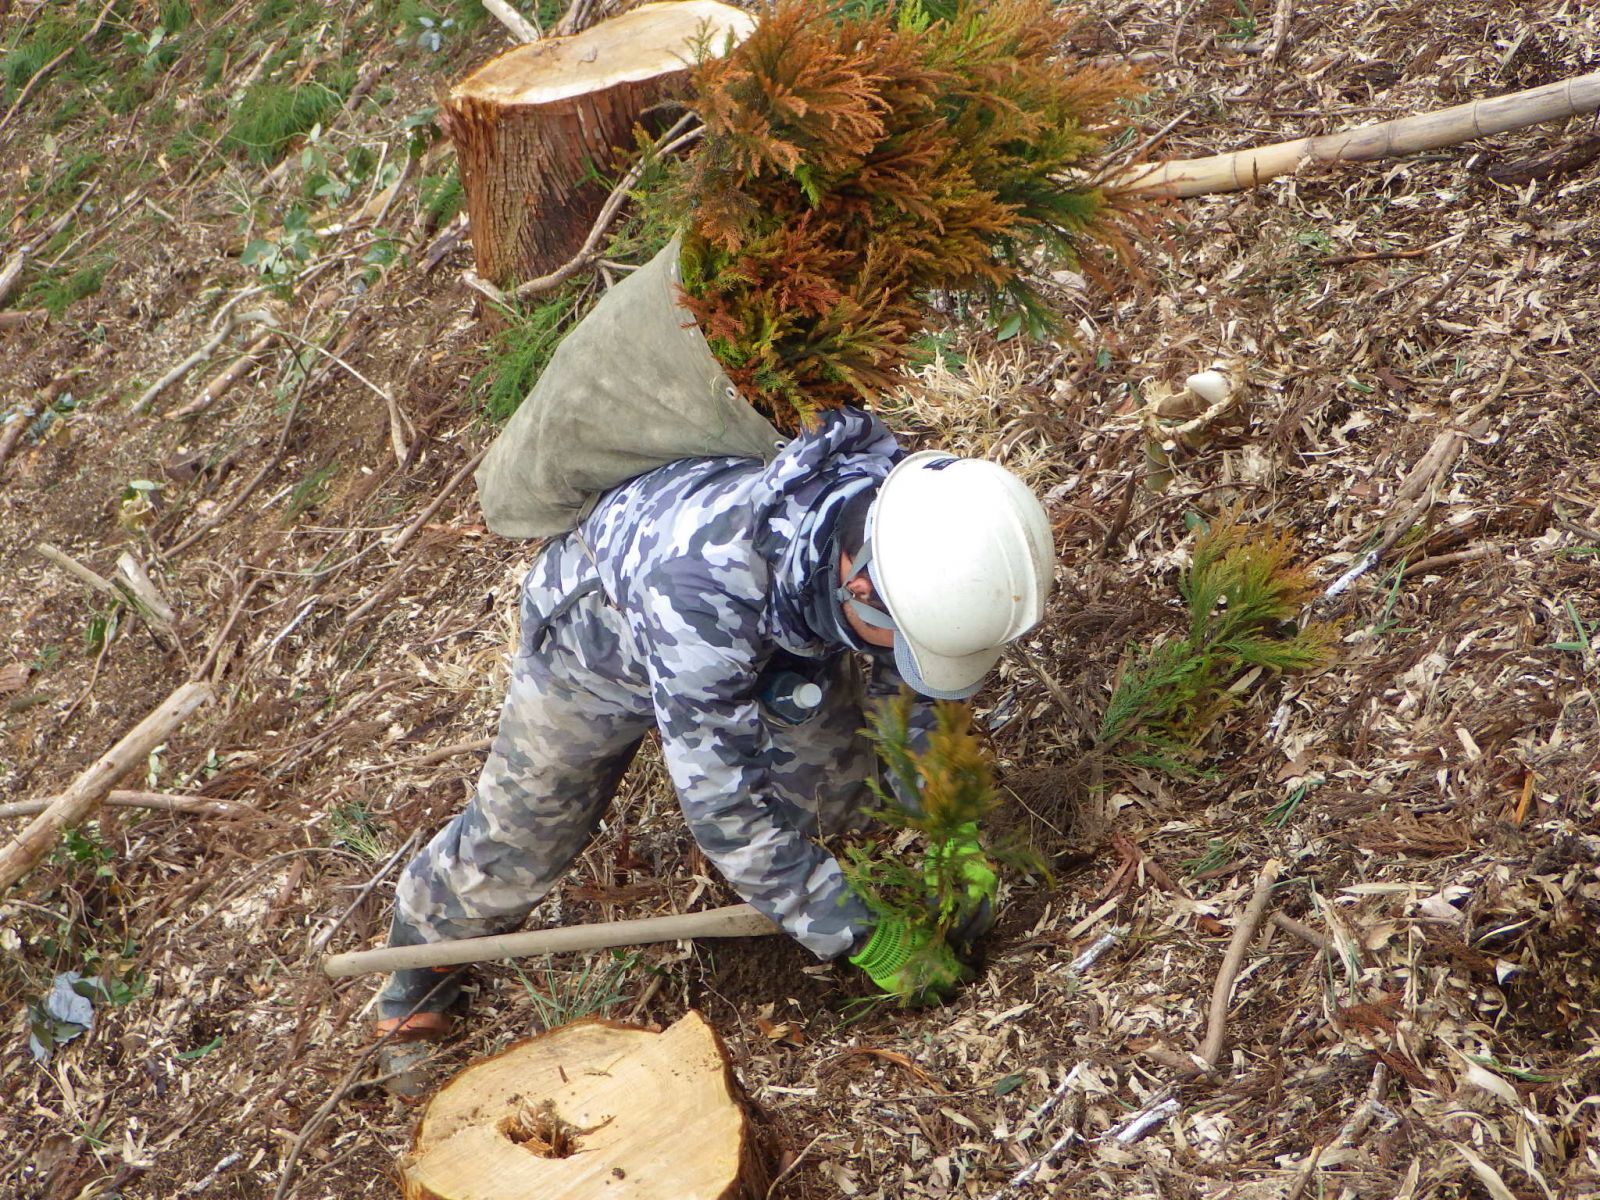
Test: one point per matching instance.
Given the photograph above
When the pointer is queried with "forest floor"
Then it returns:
(1430, 800)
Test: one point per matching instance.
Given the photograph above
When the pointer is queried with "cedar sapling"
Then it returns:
(950, 785)
(1242, 592)
(854, 161)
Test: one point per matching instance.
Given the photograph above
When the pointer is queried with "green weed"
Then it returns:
(442, 196)
(592, 991)
(271, 115)
(176, 15)
(1583, 640)
(1218, 855)
(309, 492)
(354, 828)
(522, 351)
(1241, 28)
(58, 292)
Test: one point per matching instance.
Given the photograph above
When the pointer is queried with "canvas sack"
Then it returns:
(632, 388)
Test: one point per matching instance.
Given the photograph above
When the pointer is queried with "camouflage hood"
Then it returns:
(803, 491)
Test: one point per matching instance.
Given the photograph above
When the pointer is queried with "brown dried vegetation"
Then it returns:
(1432, 796)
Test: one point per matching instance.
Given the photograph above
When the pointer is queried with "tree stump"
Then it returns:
(593, 1109)
(535, 127)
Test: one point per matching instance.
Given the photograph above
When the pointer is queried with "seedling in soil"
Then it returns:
(1584, 642)
(1243, 593)
(939, 796)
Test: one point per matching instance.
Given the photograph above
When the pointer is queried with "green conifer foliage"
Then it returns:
(1243, 593)
(852, 162)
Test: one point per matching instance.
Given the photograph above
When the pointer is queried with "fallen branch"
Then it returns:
(142, 405)
(78, 571)
(200, 806)
(519, 26)
(1301, 930)
(454, 482)
(1243, 934)
(1472, 554)
(1387, 139)
(12, 271)
(89, 789)
(673, 139)
(225, 379)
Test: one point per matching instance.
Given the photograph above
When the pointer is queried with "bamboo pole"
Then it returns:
(89, 789)
(736, 920)
(1387, 139)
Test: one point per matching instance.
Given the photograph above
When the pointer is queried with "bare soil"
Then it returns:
(1433, 798)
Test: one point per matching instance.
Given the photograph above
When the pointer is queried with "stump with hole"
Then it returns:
(593, 1109)
(538, 128)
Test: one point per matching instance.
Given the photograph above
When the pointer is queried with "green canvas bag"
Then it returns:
(632, 388)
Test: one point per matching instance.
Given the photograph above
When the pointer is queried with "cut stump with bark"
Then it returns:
(593, 1109)
(536, 129)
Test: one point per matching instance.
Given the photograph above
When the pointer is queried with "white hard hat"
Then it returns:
(961, 555)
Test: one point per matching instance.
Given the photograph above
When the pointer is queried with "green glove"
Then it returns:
(905, 961)
(967, 911)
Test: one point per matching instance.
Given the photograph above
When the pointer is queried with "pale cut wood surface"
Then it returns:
(86, 792)
(1407, 135)
(652, 1115)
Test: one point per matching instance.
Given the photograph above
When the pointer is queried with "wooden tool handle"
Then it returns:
(737, 920)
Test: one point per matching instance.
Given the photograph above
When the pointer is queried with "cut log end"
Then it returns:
(536, 128)
(593, 1109)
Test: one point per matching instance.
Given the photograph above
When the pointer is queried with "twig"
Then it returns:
(204, 806)
(673, 139)
(142, 405)
(320, 943)
(1243, 934)
(1142, 1122)
(54, 63)
(1424, 565)
(439, 755)
(520, 27)
(78, 571)
(1306, 1172)
(86, 792)
(21, 318)
(1301, 930)
(217, 643)
(230, 375)
(794, 1163)
(454, 482)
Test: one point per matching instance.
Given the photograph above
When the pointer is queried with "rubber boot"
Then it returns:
(413, 1018)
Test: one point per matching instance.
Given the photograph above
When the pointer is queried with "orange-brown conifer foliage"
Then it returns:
(852, 164)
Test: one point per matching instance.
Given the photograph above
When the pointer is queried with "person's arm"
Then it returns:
(703, 646)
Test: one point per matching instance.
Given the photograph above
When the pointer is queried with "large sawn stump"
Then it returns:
(535, 128)
(591, 1110)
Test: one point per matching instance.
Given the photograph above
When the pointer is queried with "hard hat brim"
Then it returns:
(939, 677)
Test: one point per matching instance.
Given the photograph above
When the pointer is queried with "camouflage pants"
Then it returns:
(576, 709)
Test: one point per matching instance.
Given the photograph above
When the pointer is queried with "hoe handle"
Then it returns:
(737, 920)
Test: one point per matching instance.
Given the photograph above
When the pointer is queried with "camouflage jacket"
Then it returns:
(711, 562)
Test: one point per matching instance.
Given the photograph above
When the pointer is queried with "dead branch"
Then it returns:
(201, 806)
(142, 405)
(1243, 934)
(55, 62)
(673, 139)
(516, 24)
(22, 318)
(225, 379)
(455, 481)
(89, 789)
(1300, 930)
(1386, 139)
(319, 942)
(137, 581)
(736, 920)
(78, 571)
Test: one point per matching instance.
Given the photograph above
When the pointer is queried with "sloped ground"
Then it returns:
(1431, 799)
